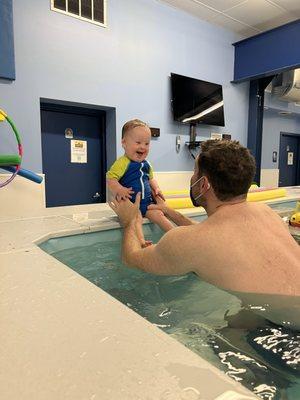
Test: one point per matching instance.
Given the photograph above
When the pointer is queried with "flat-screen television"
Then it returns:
(196, 102)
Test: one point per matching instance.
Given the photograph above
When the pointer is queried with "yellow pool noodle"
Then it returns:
(185, 202)
(266, 194)
(185, 192)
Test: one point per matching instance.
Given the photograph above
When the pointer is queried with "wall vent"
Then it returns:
(87, 10)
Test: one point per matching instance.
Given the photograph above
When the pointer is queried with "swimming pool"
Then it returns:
(190, 310)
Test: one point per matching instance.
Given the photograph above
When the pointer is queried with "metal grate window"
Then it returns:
(88, 10)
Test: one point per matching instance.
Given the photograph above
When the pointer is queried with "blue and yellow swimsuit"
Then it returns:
(136, 175)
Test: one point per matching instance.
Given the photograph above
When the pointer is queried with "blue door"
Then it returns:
(71, 183)
(289, 160)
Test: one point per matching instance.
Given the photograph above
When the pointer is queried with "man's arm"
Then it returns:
(174, 216)
(164, 258)
(178, 218)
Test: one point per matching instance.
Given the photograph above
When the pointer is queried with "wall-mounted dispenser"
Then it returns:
(178, 143)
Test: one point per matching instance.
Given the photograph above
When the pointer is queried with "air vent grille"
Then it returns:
(88, 10)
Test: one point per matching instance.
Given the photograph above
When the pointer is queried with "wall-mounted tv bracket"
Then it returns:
(193, 144)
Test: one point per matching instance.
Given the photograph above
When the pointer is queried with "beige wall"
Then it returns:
(22, 198)
(269, 177)
(175, 180)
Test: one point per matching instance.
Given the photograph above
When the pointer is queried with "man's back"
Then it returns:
(241, 247)
(246, 247)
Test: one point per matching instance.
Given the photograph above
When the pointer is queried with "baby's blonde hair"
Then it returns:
(133, 123)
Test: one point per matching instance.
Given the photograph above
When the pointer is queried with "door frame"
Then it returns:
(297, 135)
(85, 109)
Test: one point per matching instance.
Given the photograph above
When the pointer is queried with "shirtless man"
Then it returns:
(241, 247)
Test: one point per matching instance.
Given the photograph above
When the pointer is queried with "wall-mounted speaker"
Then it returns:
(155, 132)
(226, 136)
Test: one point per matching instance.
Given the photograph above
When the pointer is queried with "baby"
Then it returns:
(132, 173)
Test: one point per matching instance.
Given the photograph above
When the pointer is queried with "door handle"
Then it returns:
(96, 195)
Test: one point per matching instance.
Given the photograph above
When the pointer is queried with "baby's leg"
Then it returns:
(158, 217)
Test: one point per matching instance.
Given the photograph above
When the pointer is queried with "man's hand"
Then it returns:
(124, 193)
(127, 211)
(172, 215)
(158, 193)
(160, 204)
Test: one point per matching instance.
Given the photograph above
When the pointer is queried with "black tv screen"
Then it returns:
(197, 102)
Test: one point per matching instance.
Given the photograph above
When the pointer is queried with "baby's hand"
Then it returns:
(158, 193)
(124, 193)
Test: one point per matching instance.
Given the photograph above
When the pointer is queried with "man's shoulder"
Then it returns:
(261, 208)
(179, 241)
(189, 234)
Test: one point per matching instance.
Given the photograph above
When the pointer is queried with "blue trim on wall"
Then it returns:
(267, 53)
(7, 56)
(255, 120)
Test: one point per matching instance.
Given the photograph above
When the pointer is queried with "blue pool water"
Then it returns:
(283, 205)
(190, 310)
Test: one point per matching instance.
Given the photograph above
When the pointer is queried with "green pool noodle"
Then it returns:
(9, 159)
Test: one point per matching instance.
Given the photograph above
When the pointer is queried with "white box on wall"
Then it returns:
(217, 136)
(269, 177)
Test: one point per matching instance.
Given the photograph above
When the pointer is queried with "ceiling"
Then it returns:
(245, 17)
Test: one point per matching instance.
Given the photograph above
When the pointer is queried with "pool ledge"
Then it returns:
(64, 338)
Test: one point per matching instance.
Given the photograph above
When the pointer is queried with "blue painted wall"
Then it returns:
(273, 124)
(125, 66)
(7, 60)
(257, 56)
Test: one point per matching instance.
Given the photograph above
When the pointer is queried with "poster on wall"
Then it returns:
(290, 158)
(79, 151)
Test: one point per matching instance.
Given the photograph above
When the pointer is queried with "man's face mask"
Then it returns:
(194, 199)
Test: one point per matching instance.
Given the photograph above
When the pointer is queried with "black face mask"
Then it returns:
(194, 199)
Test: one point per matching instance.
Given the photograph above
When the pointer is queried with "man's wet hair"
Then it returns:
(229, 167)
(133, 123)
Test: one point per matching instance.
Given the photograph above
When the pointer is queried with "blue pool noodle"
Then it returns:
(25, 174)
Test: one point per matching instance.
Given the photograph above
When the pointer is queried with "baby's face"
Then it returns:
(136, 143)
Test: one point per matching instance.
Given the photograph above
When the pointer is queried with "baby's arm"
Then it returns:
(155, 188)
(115, 173)
(118, 191)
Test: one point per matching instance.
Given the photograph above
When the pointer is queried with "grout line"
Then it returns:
(237, 5)
(226, 15)
(278, 6)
